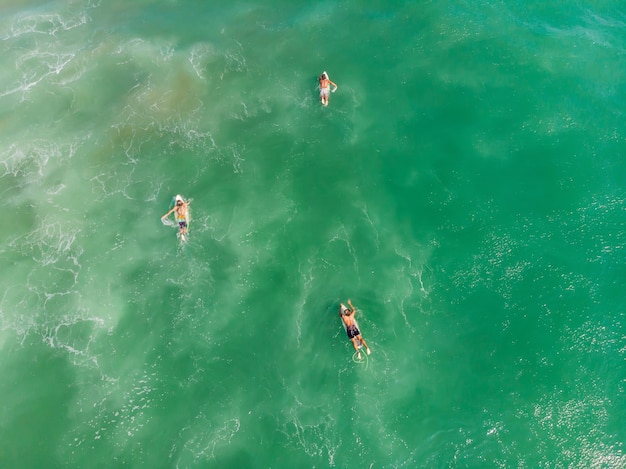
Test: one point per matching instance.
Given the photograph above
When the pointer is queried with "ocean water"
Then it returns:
(465, 188)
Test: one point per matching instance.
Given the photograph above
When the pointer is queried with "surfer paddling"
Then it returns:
(182, 216)
(325, 87)
(347, 316)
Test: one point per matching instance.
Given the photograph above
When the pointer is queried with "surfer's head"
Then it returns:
(179, 203)
(325, 75)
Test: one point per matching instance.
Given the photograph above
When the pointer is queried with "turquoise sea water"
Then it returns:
(465, 188)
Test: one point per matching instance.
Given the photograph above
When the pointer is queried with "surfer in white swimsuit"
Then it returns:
(347, 316)
(182, 216)
(325, 87)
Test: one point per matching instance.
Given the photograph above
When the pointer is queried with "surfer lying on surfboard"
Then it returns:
(181, 207)
(347, 316)
(325, 87)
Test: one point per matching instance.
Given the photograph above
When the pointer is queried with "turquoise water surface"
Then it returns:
(465, 188)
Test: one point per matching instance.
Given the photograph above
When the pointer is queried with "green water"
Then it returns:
(465, 188)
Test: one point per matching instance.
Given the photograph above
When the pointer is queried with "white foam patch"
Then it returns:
(29, 159)
(311, 430)
(201, 56)
(47, 24)
(43, 47)
(204, 437)
(50, 295)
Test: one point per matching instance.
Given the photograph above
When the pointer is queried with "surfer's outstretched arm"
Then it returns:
(168, 213)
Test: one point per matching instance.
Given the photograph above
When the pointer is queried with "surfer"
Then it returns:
(182, 216)
(347, 316)
(325, 87)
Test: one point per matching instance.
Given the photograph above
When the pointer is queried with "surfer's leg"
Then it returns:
(356, 347)
(362, 340)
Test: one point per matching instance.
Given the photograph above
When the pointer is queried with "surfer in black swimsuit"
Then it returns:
(347, 316)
